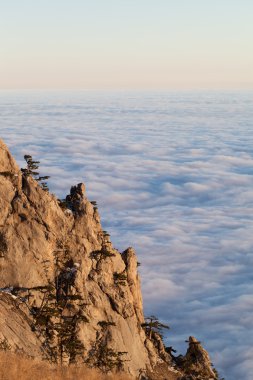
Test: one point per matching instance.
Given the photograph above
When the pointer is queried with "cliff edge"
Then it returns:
(66, 294)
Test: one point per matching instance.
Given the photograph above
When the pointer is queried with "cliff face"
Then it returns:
(42, 242)
(66, 294)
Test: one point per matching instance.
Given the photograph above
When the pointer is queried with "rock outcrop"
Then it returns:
(196, 364)
(66, 293)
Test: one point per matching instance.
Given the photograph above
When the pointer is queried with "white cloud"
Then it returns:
(174, 179)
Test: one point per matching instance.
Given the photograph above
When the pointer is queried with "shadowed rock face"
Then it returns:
(70, 295)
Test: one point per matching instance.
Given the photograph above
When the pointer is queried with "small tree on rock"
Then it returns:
(153, 325)
(31, 170)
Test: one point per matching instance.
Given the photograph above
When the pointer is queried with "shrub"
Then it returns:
(3, 245)
(4, 345)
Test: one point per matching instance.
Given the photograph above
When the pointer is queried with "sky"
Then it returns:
(172, 174)
(126, 44)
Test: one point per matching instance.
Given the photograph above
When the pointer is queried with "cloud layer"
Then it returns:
(173, 177)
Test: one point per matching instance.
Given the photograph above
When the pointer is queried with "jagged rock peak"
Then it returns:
(76, 200)
(78, 190)
(197, 364)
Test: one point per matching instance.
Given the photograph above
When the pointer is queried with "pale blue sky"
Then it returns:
(126, 44)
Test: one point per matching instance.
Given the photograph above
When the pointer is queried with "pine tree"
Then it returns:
(153, 325)
(31, 170)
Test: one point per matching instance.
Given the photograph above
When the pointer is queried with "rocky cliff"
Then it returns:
(67, 295)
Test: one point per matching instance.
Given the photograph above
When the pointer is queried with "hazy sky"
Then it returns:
(126, 44)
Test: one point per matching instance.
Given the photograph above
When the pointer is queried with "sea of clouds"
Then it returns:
(173, 176)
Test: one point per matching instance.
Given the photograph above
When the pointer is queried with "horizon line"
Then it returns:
(141, 89)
